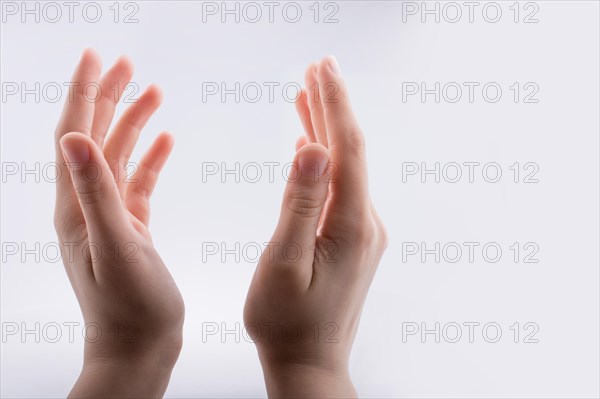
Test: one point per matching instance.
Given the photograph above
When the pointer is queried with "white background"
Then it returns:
(378, 51)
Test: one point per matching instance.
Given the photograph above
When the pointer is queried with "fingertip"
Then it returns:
(82, 138)
(314, 148)
(330, 66)
(90, 57)
(88, 53)
(71, 136)
(311, 72)
(154, 94)
(312, 160)
(75, 147)
(323, 71)
(158, 153)
(125, 63)
(166, 140)
(332, 83)
(301, 142)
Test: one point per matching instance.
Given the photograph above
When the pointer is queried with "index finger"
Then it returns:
(346, 141)
(77, 116)
(78, 111)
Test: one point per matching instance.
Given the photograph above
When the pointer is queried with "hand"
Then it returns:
(305, 300)
(131, 306)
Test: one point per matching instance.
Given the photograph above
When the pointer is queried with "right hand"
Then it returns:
(303, 311)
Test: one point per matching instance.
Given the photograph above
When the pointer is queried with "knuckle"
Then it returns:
(327, 250)
(353, 143)
(357, 230)
(365, 236)
(68, 226)
(142, 191)
(368, 234)
(304, 203)
(356, 140)
(89, 193)
(135, 125)
(60, 224)
(384, 238)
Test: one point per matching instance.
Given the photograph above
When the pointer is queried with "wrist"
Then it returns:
(112, 378)
(289, 380)
(127, 368)
(144, 375)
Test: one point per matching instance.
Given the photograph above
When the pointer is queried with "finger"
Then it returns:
(94, 184)
(304, 113)
(346, 142)
(78, 112)
(77, 115)
(112, 85)
(303, 202)
(301, 142)
(140, 189)
(121, 142)
(314, 104)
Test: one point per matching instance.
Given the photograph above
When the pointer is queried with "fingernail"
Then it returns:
(74, 150)
(312, 163)
(333, 65)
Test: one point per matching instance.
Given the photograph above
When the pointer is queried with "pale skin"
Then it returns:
(331, 218)
(130, 296)
(125, 291)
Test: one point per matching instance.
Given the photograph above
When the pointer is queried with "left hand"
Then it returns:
(131, 306)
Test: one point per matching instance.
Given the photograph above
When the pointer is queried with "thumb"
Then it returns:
(303, 201)
(94, 183)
